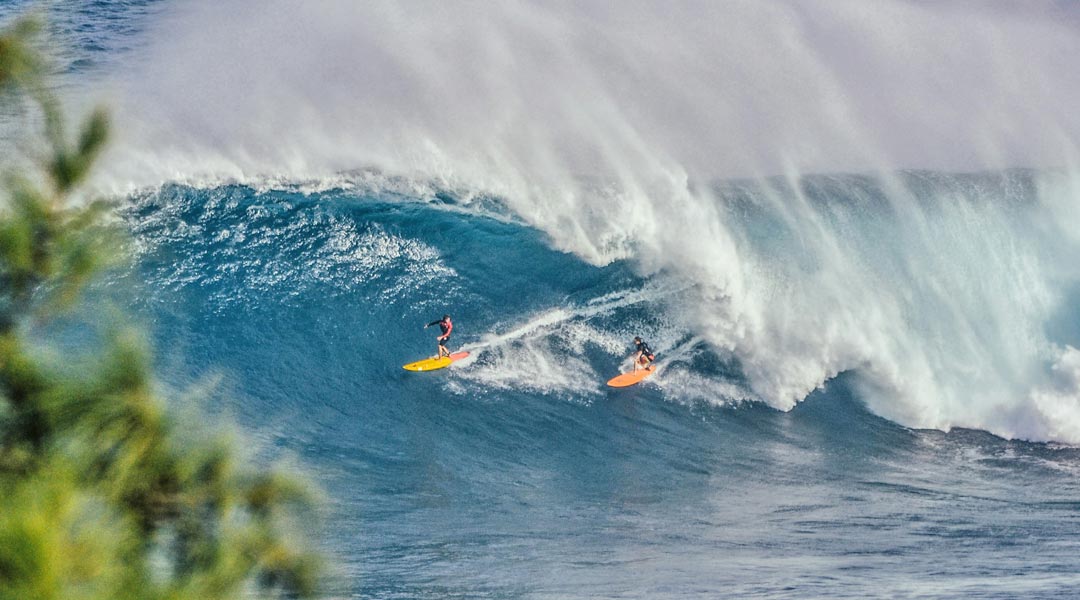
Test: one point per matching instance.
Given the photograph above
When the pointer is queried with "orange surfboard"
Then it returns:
(430, 364)
(631, 378)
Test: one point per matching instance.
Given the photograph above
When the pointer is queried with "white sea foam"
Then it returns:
(258, 254)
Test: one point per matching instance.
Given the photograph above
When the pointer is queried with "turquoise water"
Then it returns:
(493, 480)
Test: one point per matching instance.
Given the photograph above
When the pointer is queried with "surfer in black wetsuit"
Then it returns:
(446, 326)
(644, 354)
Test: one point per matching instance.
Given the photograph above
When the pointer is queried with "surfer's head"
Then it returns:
(446, 317)
(637, 340)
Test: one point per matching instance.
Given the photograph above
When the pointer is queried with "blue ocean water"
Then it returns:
(841, 407)
(471, 483)
(87, 34)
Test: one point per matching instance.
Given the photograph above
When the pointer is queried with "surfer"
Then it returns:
(446, 326)
(644, 354)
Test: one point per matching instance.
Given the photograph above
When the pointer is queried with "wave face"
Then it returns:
(518, 473)
(950, 300)
(849, 232)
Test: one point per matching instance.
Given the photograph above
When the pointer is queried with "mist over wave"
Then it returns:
(679, 139)
(526, 97)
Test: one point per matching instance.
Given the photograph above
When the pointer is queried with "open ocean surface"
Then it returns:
(867, 388)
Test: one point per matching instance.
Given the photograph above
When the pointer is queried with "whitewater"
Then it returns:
(849, 229)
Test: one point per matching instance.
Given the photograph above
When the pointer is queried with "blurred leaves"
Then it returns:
(20, 63)
(71, 162)
(103, 492)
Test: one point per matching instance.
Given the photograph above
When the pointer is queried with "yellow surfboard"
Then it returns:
(631, 378)
(431, 364)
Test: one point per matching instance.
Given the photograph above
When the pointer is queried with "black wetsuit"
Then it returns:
(645, 350)
(446, 327)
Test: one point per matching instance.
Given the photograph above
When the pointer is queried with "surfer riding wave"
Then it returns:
(446, 326)
(644, 355)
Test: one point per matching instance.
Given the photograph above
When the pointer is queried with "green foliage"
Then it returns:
(20, 64)
(103, 492)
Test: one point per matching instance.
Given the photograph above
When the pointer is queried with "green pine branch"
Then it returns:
(101, 497)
